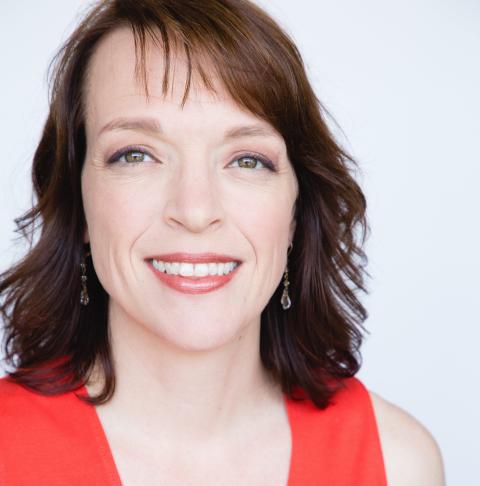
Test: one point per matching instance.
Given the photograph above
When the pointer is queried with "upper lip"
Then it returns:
(196, 258)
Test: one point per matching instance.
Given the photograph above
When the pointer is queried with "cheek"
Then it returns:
(264, 223)
(265, 227)
(264, 216)
(116, 215)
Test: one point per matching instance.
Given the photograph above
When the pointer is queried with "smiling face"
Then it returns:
(160, 179)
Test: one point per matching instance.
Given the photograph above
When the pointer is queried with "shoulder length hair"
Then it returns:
(53, 342)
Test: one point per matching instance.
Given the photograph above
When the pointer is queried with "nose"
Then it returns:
(194, 199)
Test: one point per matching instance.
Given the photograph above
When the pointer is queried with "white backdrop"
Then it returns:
(403, 80)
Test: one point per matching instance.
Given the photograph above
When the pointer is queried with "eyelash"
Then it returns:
(268, 164)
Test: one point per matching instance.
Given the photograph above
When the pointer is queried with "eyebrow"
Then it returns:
(152, 126)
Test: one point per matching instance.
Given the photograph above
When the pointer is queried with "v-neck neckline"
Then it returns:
(108, 460)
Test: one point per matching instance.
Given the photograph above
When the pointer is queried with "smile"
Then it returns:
(186, 269)
(194, 278)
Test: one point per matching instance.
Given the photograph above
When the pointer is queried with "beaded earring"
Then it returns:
(285, 300)
(84, 298)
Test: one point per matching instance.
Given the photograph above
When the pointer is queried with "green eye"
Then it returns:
(130, 156)
(248, 162)
(252, 162)
(134, 156)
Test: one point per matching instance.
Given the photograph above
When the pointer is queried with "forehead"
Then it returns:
(113, 78)
(114, 90)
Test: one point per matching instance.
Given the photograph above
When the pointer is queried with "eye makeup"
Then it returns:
(137, 156)
(130, 149)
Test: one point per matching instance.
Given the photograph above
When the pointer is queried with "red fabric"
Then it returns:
(58, 441)
(338, 446)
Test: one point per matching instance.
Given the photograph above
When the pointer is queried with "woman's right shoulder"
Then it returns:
(11, 393)
(38, 434)
(16, 403)
(29, 419)
(20, 405)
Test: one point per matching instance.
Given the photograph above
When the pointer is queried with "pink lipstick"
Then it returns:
(193, 284)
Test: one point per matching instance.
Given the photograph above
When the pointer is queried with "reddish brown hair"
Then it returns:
(53, 342)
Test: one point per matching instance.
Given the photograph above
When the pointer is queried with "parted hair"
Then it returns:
(51, 342)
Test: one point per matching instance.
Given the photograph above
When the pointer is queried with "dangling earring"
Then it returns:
(285, 300)
(84, 298)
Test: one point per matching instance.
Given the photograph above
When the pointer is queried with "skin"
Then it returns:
(411, 454)
(194, 359)
(206, 406)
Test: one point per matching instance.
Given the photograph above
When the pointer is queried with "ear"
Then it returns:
(291, 233)
(293, 223)
(86, 236)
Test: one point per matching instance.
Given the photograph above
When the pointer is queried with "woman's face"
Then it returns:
(160, 180)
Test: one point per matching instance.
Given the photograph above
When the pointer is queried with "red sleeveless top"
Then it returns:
(59, 440)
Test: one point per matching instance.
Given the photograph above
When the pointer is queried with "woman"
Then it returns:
(189, 313)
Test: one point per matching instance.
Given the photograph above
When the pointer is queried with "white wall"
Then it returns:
(402, 80)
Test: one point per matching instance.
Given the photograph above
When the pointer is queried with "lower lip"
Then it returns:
(194, 285)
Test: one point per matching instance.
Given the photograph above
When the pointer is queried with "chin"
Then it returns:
(190, 336)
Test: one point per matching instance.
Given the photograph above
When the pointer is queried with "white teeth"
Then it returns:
(200, 269)
(186, 269)
(197, 269)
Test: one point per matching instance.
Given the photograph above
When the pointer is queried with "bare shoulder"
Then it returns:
(411, 454)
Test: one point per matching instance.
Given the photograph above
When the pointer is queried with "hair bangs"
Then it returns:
(220, 52)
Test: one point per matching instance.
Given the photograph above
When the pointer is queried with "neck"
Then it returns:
(187, 396)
